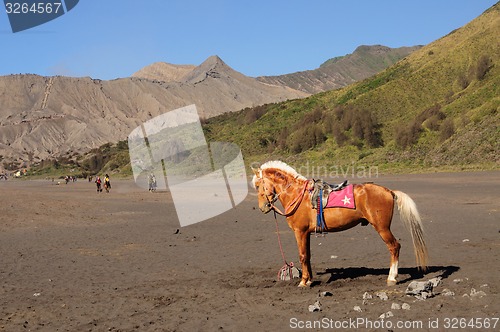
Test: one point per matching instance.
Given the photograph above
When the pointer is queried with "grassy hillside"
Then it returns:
(108, 158)
(437, 108)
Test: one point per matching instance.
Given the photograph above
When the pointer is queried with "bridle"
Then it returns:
(294, 205)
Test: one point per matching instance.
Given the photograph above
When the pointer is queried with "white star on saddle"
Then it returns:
(346, 200)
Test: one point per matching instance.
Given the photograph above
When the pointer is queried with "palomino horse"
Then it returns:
(276, 180)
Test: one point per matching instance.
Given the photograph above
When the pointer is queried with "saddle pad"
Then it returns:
(342, 198)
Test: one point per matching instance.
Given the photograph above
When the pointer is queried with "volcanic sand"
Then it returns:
(75, 260)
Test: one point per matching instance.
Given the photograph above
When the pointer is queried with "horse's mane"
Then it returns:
(277, 164)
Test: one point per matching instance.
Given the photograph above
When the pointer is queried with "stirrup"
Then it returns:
(320, 232)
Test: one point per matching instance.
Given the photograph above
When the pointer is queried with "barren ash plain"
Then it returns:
(75, 260)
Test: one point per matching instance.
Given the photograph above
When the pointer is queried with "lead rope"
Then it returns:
(285, 273)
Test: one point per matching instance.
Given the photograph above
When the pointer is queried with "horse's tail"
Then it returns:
(411, 219)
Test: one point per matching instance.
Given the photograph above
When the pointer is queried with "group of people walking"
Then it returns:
(107, 183)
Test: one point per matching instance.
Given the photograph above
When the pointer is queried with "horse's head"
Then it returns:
(266, 191)
(270, 183)
(273, 180)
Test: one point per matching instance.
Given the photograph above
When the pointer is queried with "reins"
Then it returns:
(287, 268)
(295, 203)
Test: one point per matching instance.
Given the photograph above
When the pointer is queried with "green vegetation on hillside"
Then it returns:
(108, 158)
(437, 108)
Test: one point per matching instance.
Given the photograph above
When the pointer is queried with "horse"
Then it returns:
(275, 180)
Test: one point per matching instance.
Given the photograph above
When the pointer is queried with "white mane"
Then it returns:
(277, 164)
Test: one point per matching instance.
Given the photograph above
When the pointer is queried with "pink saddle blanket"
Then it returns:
(343, 198)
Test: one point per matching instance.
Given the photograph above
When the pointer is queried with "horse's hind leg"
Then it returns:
(394, 247)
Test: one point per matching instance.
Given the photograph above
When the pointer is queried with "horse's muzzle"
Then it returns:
(266, 208)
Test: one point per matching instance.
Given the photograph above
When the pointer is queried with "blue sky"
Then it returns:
(108, 39)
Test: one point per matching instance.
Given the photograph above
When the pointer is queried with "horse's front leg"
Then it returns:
(303, 243)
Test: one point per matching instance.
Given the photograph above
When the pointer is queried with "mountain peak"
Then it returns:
(365, 48)
(167, 72)
(213, 60)
(212, 67)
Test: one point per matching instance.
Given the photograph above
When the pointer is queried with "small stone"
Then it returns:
(382, 295)
(474, 293)
(37, 294)
(484, 285)
(388, 314)
(447, 292)
(324, 294)
(465, 240)
(405, 306)
(315, 307)
(421, 289)
(395, 306)
(334, 257)
(458, 280)
(367, 296)
(435, 281)
(357, 308)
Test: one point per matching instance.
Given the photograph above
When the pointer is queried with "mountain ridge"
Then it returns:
(44, 117)
(163, 71)
(340, 71)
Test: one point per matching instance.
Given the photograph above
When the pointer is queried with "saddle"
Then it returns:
(325, 188)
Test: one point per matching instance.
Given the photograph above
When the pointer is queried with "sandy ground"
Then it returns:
(75, 260)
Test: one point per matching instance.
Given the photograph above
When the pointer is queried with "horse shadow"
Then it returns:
(414, 273)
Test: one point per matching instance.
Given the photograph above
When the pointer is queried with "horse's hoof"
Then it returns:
(305, 284)
(391, 282)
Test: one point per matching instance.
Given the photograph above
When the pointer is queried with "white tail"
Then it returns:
(411, 219)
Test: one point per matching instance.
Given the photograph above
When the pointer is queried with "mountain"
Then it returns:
(338, 72)
(43, 117)
(438, 108)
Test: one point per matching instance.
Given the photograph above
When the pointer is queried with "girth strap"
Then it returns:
(320, 220)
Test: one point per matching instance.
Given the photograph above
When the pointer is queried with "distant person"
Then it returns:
(98, 184)
(107, 183)
(152, 182)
